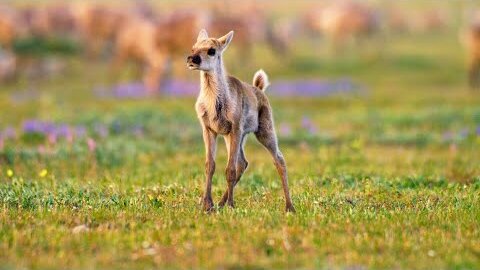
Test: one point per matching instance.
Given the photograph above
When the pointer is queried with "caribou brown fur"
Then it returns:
(229, 107)
(471, 40)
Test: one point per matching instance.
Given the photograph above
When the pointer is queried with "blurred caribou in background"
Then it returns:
(153, 38)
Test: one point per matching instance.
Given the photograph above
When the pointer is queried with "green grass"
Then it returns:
(378, 186)
(44, 47)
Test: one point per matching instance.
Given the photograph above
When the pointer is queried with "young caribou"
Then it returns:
(232, 108)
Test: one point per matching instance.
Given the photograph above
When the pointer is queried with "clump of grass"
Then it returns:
(41, 46)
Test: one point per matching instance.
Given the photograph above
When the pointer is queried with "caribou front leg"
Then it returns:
(210, 140)
(233, 141)
(242, 165)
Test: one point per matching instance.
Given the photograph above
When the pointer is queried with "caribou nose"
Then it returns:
(196, 59)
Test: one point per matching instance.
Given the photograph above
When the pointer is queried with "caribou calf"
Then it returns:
(232, 108)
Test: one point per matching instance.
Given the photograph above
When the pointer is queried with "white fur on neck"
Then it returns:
(216, 89)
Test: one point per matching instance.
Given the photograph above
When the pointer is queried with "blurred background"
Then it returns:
(78, 76)
(376, 106)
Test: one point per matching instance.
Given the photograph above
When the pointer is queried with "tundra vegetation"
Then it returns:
(382, 148)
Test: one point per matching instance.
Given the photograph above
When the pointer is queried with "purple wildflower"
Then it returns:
(175, 87)
(122, 91)
(477, 131)
(31, 126)
(311, 88)
(130, 90)
(92, 145)
(137, 90)
(36, 126)
(180, 88)
(63, 131)
(80, 131)
(66, 132)
(285, 129)
(308, 125)
(48, 127)
(306, 121)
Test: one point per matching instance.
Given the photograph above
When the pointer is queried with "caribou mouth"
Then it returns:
(193, 66)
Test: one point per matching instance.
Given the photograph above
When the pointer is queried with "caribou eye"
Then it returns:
(211, 52)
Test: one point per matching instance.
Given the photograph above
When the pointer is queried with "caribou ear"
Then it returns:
(225, 40)
(202, 35)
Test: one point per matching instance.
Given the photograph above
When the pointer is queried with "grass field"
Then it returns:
(388, 178)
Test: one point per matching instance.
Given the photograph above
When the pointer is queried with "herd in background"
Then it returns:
(151, 38)
(136, 33)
